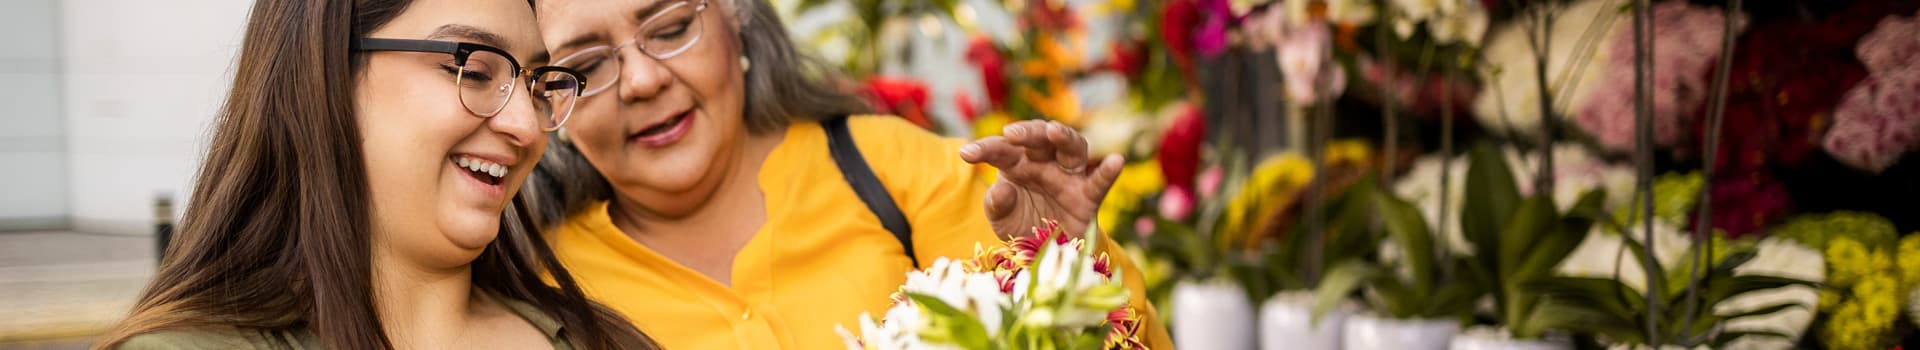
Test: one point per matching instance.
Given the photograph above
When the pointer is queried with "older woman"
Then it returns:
(716, 192)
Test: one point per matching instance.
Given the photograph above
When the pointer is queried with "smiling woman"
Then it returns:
(362, 191)
(718, 191)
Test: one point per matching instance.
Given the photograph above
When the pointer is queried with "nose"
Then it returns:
(641, 76)
(520, 122)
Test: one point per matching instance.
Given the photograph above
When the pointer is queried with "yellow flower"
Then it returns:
(1353, 152)
(1136, 182)
(1848, 260)
(1830, 298)
(1909, 255)
(1847, 329)
(1272, 186)
(990, 124)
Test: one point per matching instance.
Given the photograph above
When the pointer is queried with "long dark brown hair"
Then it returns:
(278, 233)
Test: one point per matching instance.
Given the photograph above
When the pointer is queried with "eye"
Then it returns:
(671, 31)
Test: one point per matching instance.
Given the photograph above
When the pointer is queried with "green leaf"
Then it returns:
(1603, 294)
(1451, 300)
(1533, 220)
(966, 330)
(1561, 314)
(1491, 197)
(1409, 230)
(1768, 310)
(1729, 287)
(1345, 278)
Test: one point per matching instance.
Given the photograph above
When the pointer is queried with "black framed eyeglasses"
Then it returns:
(666, 33)
(486, 77)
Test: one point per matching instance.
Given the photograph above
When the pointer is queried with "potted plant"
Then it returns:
(1417, 300)
(1678, 316)
(1517, 240)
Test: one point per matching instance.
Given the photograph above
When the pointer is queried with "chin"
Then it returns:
(471, 232)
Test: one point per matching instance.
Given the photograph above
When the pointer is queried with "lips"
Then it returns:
(666, 132)
(486, 173)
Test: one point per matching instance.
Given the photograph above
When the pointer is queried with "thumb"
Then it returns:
(1000, 200)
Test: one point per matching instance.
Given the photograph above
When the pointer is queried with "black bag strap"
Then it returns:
(866, 185)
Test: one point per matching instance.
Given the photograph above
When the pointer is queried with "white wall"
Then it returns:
(33, 167)
(142, 81)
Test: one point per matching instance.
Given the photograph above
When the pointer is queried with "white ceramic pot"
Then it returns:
(1489, 338)
(1365, 332)
(1286, 322)
(1212, 315)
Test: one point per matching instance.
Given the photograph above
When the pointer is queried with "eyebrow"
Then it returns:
(638, 16)
(479, 36)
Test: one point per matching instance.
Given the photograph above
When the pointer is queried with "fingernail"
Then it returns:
(970, 150)
(1011, 130)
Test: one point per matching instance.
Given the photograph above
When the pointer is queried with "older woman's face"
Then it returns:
(663, 132)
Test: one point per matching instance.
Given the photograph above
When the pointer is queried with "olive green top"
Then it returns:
(301, 338)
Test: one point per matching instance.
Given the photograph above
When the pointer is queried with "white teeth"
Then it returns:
(482, 166)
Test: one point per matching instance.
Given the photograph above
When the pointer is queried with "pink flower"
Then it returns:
(1306, 64)
(1304, 53)
(1210, 182)
(1686, 43)
(1875, 124)
(1894, 44)
(1143, 227)
(1176, 204)
(1211, 37)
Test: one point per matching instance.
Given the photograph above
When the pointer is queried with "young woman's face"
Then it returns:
(431, 161)
(659, 130)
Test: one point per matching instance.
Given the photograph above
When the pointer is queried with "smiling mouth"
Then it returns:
(664, 127)
(487, 172)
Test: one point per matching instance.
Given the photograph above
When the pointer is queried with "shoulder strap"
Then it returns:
(866, 185)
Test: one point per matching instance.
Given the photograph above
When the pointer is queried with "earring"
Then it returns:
(745, 64)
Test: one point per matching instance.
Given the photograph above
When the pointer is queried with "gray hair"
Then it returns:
(784, 87)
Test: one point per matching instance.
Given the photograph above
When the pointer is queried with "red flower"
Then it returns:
(1787, 77)
(1743, 204)
(1103, 265)
(992, 65)
(1180, 149)
(904, 97)
(1128, 58)
(1177, 20)
(1049, 15)
(1125, 329)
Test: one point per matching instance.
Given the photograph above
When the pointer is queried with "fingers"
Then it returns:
(994, 150)
(1105, 172)
(1000, 200)
(1031, 134)
(1070, 149)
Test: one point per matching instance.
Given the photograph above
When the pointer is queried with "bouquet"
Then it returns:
(1045, 291)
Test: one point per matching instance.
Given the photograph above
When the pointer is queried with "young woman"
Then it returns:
(353, 194)
(715, 193)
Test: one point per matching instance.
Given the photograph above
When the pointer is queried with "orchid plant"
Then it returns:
(1045, 291)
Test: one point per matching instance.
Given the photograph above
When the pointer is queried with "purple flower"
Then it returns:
(1211, 38)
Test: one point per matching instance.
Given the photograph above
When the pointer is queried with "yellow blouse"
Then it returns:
(820, 260)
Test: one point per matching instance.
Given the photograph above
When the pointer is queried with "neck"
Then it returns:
(734, 199)
(421, 307)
